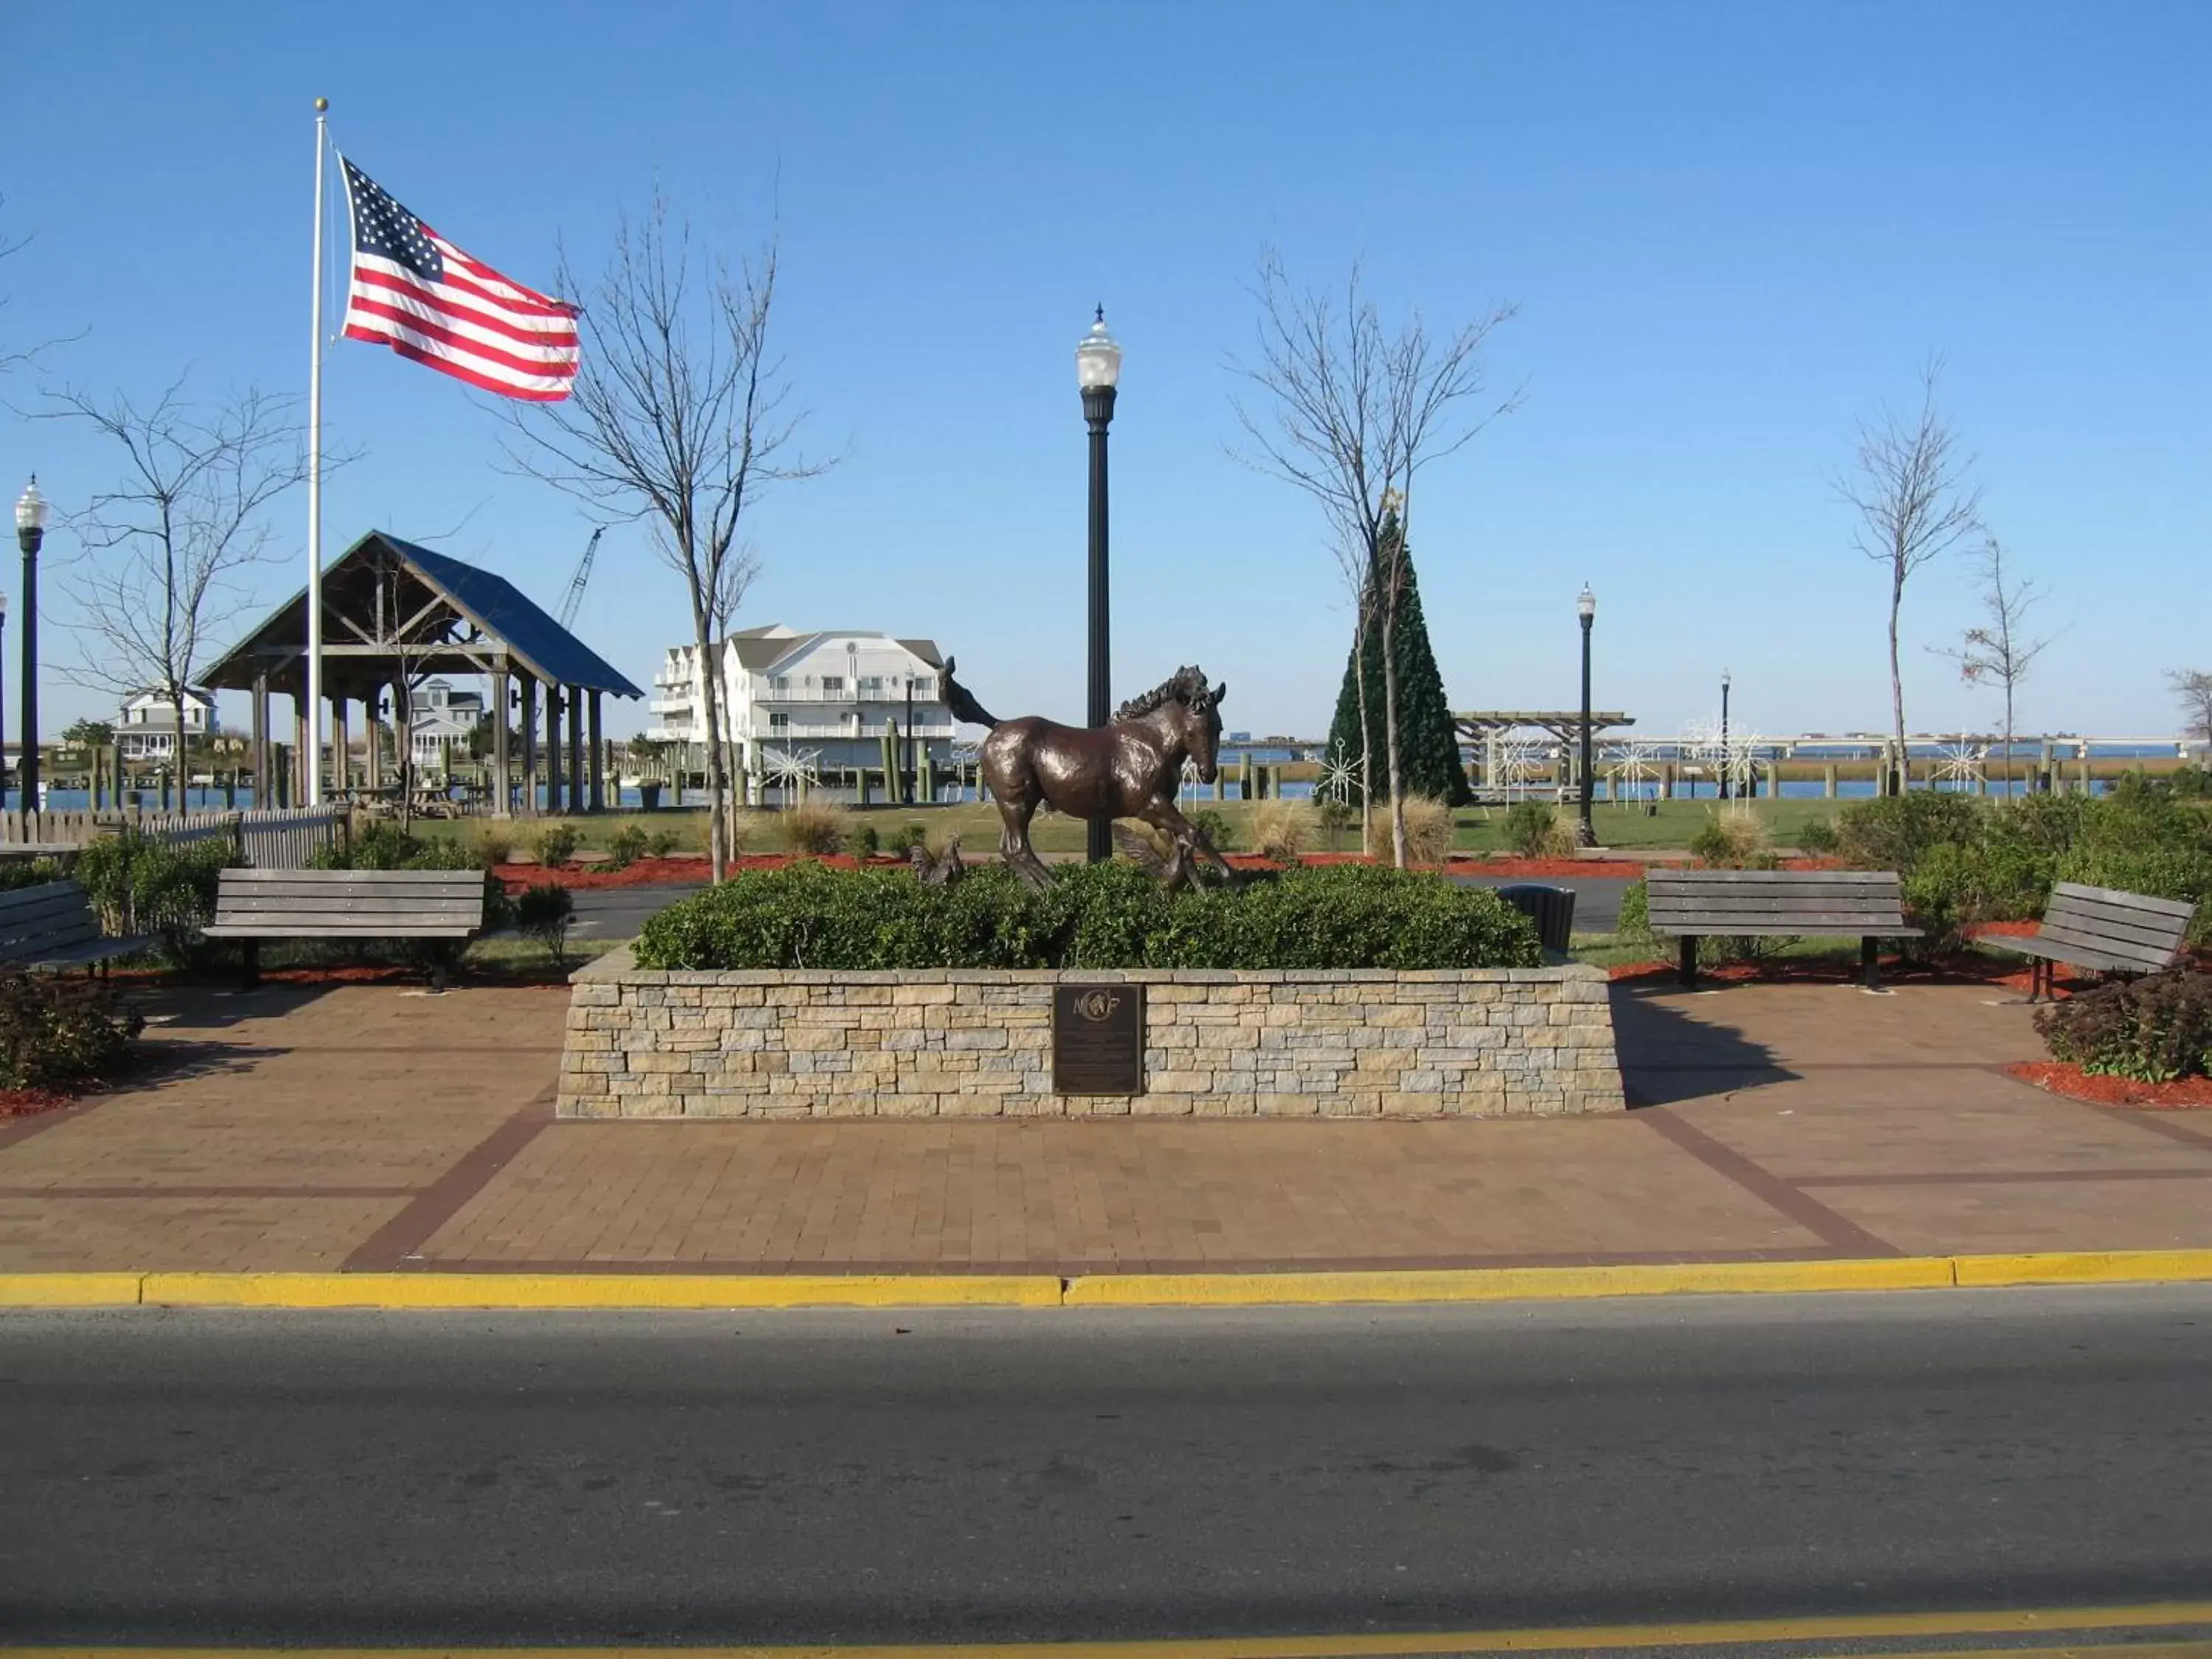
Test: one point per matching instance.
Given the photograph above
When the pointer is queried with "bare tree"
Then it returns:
(15, 357)
(1914, 502)
(169, 546)
(678, 417)
(2001, 650)
(1352, 415)
(2194, 687)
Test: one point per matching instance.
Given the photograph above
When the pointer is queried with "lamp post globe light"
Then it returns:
(1097, 371)
(32, 510)
(1586, 608)
(1726, 681)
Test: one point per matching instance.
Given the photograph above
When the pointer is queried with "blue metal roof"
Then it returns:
(504, 610)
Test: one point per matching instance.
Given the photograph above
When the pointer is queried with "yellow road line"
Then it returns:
(1552, 1638)
(432, 1289)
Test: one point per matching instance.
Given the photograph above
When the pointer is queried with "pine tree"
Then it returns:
(1428, 742)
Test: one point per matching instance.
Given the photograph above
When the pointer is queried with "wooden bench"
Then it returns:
(253, 905)
(2101, 928)
(52, 926)
(1867, 904)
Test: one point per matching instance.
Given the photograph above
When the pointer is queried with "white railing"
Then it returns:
(269, 837)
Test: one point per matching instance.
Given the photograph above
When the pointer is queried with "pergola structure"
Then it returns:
(395, 614)
(1481, 724)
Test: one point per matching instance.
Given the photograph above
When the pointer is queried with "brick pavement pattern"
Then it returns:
(371, 1126)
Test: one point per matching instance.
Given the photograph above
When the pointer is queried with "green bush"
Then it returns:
(2153, 1030)
(626, 846)
(57, 1029)
(1733, 838)
(1894, 832)
(866, 841)
(1818, 838)
(542, 912)
(30, 873)
(662, 842)
(1219, 832)
(140, 883)
(1635, 912)
(906, 837)
(555, 845)
(385, 845)
(1528, 828)
(1108, 916)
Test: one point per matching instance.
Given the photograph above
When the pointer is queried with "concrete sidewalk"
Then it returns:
(372, 1128)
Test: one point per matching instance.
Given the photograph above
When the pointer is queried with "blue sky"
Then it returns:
(1731, 230)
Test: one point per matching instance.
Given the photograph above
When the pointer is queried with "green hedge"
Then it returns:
(2153, 1030)
(1109, 916)
(139, 884)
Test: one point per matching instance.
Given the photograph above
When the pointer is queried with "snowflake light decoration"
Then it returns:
(1340, 774)
(1513, 766)
(1961, 763)
(793, 772)
(1632, 769)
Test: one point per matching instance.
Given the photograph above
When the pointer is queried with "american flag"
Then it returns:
(415, 292)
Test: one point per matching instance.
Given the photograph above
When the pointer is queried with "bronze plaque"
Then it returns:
(1098, 1039)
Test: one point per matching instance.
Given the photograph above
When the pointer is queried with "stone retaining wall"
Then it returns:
(1490, 1043)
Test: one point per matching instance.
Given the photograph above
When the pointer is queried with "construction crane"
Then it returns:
(575, 602)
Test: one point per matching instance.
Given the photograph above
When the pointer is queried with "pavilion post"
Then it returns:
(598, 759)
(502, 796)
(529, 746)
(261, 791)
(299, 745)
(341, 740)
(555, 696)
(578, 800)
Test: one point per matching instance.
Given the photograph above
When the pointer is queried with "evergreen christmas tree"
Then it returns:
(1428, 742)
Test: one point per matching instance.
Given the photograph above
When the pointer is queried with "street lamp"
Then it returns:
(32, 510)
(1586, 608)
(1098, 370)
(1724, 742)
(4, 724)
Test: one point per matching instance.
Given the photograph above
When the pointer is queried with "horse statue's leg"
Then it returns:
(1014, 815)
(1185, 836)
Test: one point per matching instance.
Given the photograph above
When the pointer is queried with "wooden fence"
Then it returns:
(269, 837)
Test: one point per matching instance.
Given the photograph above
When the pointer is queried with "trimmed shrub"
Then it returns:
(814, 828)
(1817, 838)
(662, 842)
(493, 843)
(1218, 831)
(555, 844)
(57, 1029)
(626, 846)
(2153, 1030)
(1894, 832)
(1108, 916)
(1635, 912)
(1428, 831)
(906, 837)
(30, 873)
(1529, 829)
(139, 884)
(1734, 838)
(1281, 830)
(866, 841)
(542, 912)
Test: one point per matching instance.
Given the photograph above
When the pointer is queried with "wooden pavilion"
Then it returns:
(394, 615)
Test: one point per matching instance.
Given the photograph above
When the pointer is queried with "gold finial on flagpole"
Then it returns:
(321, 104)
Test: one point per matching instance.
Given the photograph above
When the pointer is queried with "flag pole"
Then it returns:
(313, 759)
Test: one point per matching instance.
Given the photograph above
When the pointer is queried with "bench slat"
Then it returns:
(2125, 901)
(287, 930)
(1774, 877)
(352, 920)
(2120, 933)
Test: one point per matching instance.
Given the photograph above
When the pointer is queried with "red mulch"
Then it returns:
(2189, 1093)
(1498, 864)
(1837, 970)
(25, 1102)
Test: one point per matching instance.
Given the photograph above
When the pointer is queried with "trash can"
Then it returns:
(1552, 908)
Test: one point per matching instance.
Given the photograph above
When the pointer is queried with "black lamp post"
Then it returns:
(3, 723)
(31, 512)
(1098, 370)
(1724, 742)
(1586, 608)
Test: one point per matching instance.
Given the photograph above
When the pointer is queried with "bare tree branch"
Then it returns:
(2193, 686)
(1915, 501)
(2001, 650)
(1351, 414)
(168, 547)
(680, 415)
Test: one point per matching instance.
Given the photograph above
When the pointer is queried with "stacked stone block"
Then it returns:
(1483, 1043)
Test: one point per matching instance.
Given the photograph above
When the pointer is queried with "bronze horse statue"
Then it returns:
(1127, 769)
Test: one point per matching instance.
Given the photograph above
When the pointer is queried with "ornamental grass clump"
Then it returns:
(814, 829)
(1108, 916)
(1428, 830)
(1282, 829)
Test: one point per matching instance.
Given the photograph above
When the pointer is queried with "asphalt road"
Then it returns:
(875, 1476)
(619, 912)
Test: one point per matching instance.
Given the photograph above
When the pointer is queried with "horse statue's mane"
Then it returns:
(1186, 685)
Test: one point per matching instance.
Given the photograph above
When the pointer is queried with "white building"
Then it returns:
(827, 696)
(148, 730)
(441, 715)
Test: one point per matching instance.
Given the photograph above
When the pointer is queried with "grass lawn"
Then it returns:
(1669, 825)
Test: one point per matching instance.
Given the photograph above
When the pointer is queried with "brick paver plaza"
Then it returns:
(368, 1127)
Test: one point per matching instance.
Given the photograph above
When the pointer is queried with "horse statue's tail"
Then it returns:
(962, 701)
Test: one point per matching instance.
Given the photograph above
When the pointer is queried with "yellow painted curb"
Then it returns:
(2085, 1268)
(1508, 1284)
(1224, 1290)
(70, 1290)
(437, 1289)
(1355, 1644)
